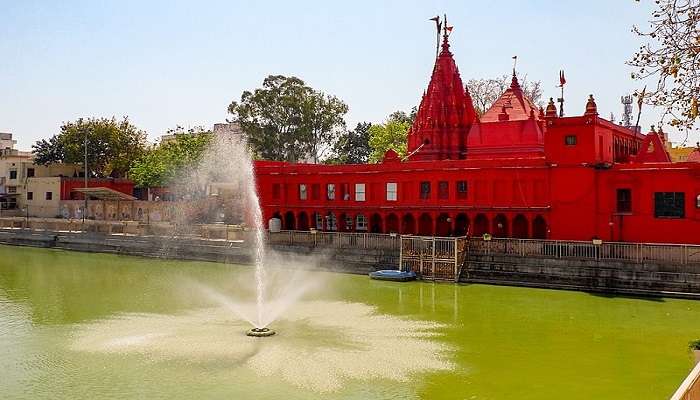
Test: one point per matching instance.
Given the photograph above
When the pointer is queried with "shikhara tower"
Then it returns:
(445, 115)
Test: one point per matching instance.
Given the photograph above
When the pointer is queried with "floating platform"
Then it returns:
(393, 275)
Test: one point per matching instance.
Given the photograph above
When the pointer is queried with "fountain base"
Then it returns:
(260, 332)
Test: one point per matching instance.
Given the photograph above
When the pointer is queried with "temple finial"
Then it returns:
(445, 34)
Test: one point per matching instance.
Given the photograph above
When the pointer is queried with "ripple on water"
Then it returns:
(319, 345)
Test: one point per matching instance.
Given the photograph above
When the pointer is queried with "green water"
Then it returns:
(87, 326)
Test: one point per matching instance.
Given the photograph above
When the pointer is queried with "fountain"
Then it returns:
(260, 332)
(225, 174)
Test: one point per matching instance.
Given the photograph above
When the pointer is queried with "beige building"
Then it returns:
(42, 197)
(19, 177)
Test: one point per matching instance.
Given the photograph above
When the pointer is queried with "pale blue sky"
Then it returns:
(165, 63)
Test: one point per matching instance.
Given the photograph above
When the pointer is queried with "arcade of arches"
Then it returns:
(516, 225)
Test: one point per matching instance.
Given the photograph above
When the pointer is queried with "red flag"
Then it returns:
(449, 28)
(562, 80)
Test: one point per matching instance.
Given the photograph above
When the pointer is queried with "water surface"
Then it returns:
(85, 326)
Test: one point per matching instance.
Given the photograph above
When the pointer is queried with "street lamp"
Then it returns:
(25, 210)
(85, 174)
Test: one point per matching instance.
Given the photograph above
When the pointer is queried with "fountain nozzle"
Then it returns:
(260, 332)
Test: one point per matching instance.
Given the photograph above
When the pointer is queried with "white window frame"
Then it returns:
(303, 192)
(392, 191)
(330, 191)
(360, 222)
(360, 192)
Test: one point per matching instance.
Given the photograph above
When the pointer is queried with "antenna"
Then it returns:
(626, 111)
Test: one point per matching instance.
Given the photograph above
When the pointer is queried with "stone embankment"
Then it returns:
(597, 274)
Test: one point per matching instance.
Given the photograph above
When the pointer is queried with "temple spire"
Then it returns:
(446, 111)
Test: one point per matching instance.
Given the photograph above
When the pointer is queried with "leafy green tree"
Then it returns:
(352, 147)
(113, 146)
(324, 123)
(390, 135)
(286, 120)
(401, 116)
(161, 164)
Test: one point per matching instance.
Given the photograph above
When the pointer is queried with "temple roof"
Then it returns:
(445, 103)
(512, 105)
(652, 149)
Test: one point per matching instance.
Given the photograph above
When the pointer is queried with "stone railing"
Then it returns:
(690, 388)
(594, 250)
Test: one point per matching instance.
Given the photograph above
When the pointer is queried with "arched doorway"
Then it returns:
(481, 225)
(289, 222)
(539, 228)
(392, 223)
(500, 226)
(376, 224)
(425, 225)
(344, 223)
(520, 227)
(444, 225)
(303, 224)
(276, 214)
(461, 224)
(331, 222)
(317, 222)
(408, 224)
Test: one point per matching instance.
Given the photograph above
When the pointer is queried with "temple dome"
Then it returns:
(513, 102)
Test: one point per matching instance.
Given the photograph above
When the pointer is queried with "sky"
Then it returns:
(170, 63)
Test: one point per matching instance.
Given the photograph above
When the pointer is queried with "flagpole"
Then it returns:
(640, 101)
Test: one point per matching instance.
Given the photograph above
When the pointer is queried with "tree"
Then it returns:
(390, 135)
(286, 120)
(401, 116)
(161, 164)
(352, 147)
(112, 145)
(485, 92)
(672, 56)
(324, 122)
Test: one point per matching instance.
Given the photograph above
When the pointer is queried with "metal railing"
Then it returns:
(681, 254)
(337, 240)
(690, 388)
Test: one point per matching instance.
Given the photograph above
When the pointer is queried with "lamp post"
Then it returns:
(85, 175)
(25, 209)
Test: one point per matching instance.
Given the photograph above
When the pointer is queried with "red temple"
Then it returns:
(518, 171)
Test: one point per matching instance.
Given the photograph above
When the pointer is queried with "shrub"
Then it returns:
(694, 345)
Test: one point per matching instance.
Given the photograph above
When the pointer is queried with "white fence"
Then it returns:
(619, 251)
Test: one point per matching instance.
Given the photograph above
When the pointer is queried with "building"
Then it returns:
(680, 153)
(518, 171)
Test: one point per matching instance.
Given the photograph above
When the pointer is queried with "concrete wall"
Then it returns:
(604, 276)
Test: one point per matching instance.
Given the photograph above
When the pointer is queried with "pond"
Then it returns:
(85, 326)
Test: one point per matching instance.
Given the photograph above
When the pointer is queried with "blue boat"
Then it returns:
(393, 275)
